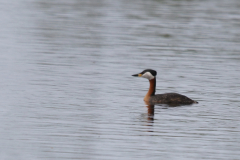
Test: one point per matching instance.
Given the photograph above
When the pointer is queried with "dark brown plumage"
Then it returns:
(170, 98)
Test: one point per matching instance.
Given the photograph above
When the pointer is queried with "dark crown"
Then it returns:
(153, 72)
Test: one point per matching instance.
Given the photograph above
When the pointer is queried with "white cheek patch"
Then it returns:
(148, 75)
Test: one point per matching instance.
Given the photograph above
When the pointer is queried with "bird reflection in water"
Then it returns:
(150, 114)
(150, 117)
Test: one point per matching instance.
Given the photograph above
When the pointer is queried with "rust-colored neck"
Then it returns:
(151, 91)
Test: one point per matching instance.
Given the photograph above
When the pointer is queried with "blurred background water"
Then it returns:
(67, 90)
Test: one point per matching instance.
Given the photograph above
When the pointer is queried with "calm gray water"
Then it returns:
(67, 90)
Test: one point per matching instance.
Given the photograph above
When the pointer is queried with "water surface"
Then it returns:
(67, 90)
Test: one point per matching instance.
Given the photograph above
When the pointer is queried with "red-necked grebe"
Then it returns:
(166, 98)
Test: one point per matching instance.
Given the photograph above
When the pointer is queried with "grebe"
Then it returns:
(167, 98)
